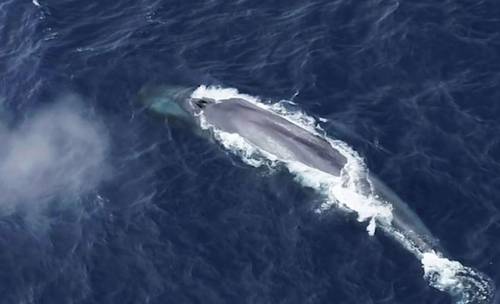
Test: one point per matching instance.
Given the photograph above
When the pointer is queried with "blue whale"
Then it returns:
(272, 133)
(292, 143)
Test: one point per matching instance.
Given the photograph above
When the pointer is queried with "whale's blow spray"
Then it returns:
(59, 152)
(354, 190)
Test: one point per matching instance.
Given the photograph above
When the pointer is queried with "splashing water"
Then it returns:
(351, 191)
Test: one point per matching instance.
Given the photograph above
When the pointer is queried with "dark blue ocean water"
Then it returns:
(151, 213)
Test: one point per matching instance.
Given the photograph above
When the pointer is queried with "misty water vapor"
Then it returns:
(56, 152)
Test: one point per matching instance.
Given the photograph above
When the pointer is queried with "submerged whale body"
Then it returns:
(290, 142)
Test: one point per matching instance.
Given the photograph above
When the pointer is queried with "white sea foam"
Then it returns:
(463, 283)
(352, 191)
(219, 93)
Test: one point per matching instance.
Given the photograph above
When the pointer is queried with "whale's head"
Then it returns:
(173, 101)
(170, 101)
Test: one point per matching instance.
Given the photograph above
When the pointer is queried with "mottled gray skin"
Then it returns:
(287, 141)
(274, 134)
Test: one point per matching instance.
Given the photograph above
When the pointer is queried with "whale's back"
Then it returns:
(274, 134)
